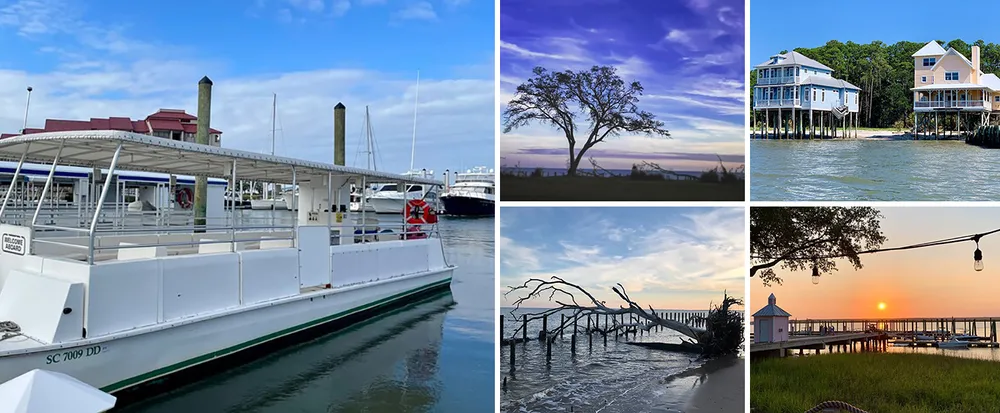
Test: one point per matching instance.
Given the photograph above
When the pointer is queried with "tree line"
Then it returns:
(884, 73)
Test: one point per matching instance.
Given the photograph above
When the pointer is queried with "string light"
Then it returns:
(977, 256)
(815, 274)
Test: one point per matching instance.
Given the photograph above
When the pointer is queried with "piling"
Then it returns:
(562, 324)
(501, 326)
(339, 134)
(512, 355)
(590, 335)
(202, 138)
(524, 329)
(572, 344)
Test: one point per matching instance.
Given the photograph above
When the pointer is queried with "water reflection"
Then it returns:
(386, 364)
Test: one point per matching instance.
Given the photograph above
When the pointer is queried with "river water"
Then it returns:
(437, 355)
(617, 378)
(872, 170)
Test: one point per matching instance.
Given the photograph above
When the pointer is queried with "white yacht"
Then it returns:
(472, 194)
(389, 198)
(119, 306)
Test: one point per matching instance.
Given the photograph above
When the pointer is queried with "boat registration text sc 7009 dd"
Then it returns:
(75, 354)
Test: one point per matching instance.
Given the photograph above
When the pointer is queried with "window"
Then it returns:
(950, 75)
(823, 96)
(996, 98)
(929, 61)
(923, 79)
(814, 94)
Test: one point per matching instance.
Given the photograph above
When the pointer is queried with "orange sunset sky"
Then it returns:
(927, 282)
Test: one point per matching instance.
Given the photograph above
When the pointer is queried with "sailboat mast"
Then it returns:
(274, 114)
(416, 99)
(368, 136)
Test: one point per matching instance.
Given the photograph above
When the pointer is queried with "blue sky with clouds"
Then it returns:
(670, 258)
(106, 58)
(688, 55)
(885, 21)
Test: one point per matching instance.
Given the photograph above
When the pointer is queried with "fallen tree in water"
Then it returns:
(722, 334)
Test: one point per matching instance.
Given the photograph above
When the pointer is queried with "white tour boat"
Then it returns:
(472, 194)
(117, 306)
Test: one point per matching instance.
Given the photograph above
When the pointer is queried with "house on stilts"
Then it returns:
(799, 98)
(946, 86)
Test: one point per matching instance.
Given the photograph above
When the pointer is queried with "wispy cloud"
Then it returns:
(665, 257)
(420, 10)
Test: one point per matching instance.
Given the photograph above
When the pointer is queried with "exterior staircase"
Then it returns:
(840, 111)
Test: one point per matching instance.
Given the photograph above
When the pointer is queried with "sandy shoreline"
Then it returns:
(723, 389)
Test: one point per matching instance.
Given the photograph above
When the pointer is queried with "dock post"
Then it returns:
(590, 335)
(501, 326)
(548, 349)
(545, 326)
(512, 355)
(572, 344)
(562, 324)
(524, 328)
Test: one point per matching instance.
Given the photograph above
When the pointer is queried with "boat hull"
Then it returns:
(468, 206)
(121, 362)
(386, 205)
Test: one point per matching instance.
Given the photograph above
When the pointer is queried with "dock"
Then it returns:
(842, 342)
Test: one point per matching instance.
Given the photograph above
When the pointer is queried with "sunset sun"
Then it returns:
(881, 306)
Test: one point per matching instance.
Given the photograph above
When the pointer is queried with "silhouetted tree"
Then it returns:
(602, 96)
(803, 238)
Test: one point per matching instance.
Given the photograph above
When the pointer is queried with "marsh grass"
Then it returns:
(876, 382)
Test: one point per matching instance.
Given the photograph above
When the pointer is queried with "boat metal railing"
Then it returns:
(237, 237)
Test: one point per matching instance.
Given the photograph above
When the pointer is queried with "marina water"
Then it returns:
(437, 355)
(872, 170)
(618, 379)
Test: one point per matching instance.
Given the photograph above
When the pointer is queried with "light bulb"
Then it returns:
(978, 256)
(815, 275)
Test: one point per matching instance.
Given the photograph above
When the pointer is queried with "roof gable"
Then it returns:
(951, 52)
(932, 48)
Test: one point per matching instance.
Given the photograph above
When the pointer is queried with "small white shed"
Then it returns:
(770, 324)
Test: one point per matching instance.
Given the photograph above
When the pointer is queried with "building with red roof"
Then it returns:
(172, 124)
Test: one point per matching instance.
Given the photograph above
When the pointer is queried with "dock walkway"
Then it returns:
(864, 341)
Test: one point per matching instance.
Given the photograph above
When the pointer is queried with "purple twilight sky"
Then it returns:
(688, 55)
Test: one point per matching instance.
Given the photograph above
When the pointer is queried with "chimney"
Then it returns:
(975, 64)
(339, 117)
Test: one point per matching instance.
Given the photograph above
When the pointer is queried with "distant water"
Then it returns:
(588, 169)
(436, 356)
(872, 170)
(618, 379)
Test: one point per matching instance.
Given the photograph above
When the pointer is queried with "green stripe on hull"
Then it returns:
(291, 330)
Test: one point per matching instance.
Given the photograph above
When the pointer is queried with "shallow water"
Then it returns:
(872, 170)
(434, 356)
(617, 378)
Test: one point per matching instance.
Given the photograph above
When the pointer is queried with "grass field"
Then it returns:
(587, 188)
(876, 382)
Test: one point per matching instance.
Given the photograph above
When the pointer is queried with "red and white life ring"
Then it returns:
(418, 212)
(184, 198)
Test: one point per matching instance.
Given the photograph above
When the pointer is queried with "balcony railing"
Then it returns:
(776, 103)
(777, 80)
(948, 104)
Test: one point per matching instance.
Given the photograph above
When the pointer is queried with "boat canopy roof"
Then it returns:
(95, 149)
